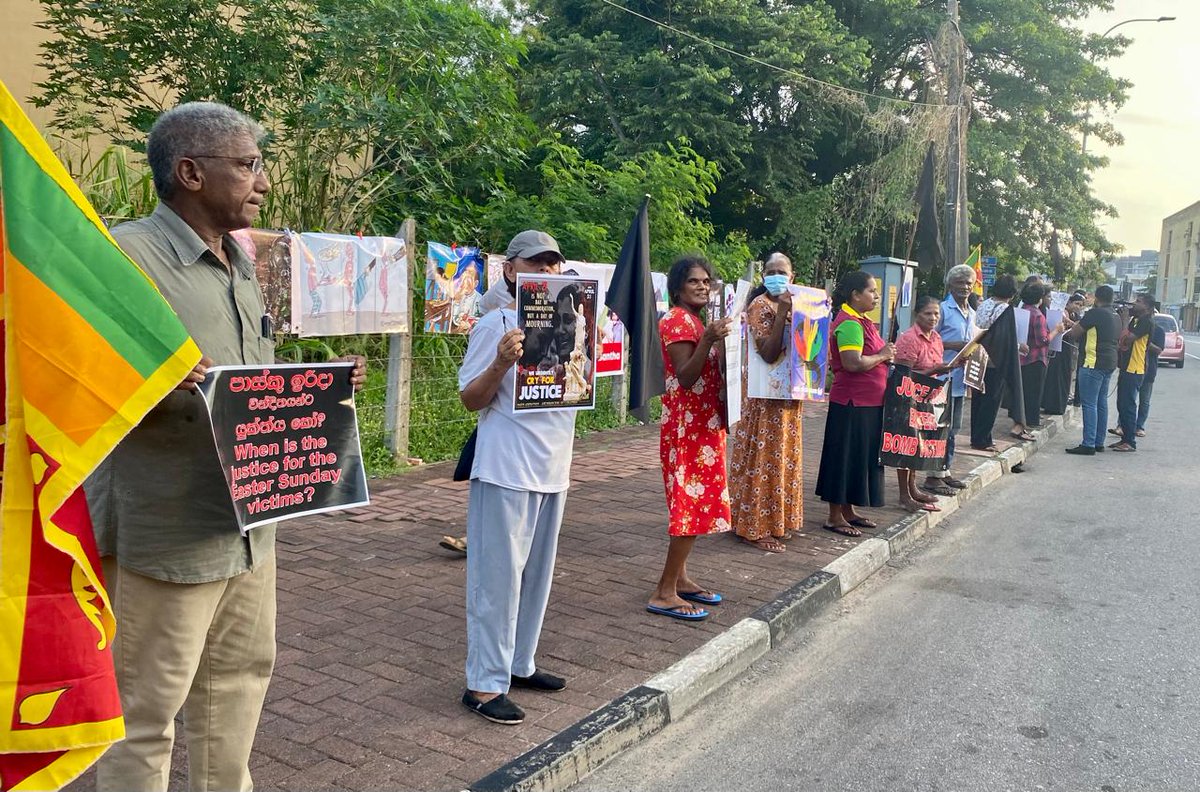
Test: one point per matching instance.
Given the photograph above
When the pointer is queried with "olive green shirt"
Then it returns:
(160, 503)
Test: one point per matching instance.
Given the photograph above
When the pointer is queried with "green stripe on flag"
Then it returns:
(54, 240)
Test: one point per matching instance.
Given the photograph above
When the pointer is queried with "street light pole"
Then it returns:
(1087, 116)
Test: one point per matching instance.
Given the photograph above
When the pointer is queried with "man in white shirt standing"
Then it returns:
(519, 481)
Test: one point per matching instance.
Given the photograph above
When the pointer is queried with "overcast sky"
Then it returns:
(1157, 172)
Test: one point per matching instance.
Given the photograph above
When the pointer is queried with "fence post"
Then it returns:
(399, 371)
(620, 398)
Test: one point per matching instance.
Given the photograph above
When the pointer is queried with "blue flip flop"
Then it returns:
(677, 613)
(700, 597)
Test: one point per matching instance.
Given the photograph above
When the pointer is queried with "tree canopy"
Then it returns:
(754, 124)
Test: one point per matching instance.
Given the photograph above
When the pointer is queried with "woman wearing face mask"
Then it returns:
(850, 473)
(766, 482)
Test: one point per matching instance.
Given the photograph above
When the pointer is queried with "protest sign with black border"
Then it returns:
(557, 368)
(916, 421)
(287, 438)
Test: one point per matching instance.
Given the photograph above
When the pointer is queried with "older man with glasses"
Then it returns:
(194, 599)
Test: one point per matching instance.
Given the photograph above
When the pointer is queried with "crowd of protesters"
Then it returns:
(196, 598)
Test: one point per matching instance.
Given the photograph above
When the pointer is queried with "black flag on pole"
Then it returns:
(631, 297)
(927, 236)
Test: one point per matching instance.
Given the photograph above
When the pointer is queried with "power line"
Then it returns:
(761, 62)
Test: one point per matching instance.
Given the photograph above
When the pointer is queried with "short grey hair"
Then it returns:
(190, 129)
(777, 256)
(960, 271)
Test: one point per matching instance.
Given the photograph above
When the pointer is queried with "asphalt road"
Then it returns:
(1048, 638)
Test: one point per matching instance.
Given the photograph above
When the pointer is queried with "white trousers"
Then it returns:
(512, 540)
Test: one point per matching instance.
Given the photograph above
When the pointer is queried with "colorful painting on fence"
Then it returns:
(453, 288)
(800, 372)
(345, 285)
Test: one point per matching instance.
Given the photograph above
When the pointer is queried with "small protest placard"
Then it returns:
(287, 438)
(916, 421)
(975, 369)
(557, 369)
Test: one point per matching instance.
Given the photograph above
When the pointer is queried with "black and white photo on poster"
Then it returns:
(557, 368)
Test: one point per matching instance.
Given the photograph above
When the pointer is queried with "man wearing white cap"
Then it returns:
(519, 481)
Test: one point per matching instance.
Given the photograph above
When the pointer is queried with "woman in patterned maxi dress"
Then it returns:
(766, 471)
(692, 436)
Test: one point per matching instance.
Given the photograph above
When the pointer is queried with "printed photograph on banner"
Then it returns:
(662, 300)
(916, 421)
(271, 252)
(557, 369)
(287, 438)
(716, 301)
(610, 352)
(346, 285)
(495, 269)
(975, 369)
(453, 288)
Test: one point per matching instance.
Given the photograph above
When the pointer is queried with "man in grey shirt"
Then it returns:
(194, 599)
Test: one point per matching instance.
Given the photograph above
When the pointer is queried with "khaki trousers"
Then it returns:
(206, 648)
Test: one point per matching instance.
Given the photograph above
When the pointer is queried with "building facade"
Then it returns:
(1178, 283)
(1132, 270)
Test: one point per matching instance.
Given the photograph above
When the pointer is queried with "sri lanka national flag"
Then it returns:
(89, 346)
(975, 262)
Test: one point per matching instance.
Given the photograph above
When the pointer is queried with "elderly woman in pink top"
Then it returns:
(920, 348)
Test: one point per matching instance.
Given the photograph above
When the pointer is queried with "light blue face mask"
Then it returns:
(776, 284)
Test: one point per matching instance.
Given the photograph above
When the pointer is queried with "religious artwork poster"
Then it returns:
(916, 421)
(347, 285)
(801, 371)
(610, 352)
(271, 252)
(454, 288)
(557, 369)
(287, 439)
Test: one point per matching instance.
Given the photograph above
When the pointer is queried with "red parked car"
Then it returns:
(1173, 352)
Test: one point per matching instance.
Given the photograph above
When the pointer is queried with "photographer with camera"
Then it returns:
(1134, 348)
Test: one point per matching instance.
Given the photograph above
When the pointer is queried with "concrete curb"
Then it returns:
(570, 755)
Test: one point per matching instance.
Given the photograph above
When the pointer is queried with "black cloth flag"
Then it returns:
(927, 236)
(631, 297)
(1000, 341)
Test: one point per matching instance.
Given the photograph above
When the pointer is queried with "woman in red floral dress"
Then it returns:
(692, 440)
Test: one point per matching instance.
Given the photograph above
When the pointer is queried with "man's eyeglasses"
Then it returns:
(252, 164)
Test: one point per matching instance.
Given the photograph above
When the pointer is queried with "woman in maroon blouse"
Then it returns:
(850, 473)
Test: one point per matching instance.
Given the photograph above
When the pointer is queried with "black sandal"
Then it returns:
(844, 530)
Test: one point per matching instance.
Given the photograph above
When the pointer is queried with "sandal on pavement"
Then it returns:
(916, 506)
(454, 544)
(991, 449)
(844, 530)
(702, 597)
(955, 483)
(767, 543)
(939, 489)
(1123, 447)
(863, 522)
(678, 612)
(1116, 432)
(1140, 432)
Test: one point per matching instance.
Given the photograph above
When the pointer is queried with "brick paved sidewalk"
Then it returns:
(372, 630)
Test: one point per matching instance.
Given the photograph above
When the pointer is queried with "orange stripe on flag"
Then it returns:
(70, 373)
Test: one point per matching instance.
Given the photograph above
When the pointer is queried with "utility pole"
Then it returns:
(956, 227)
